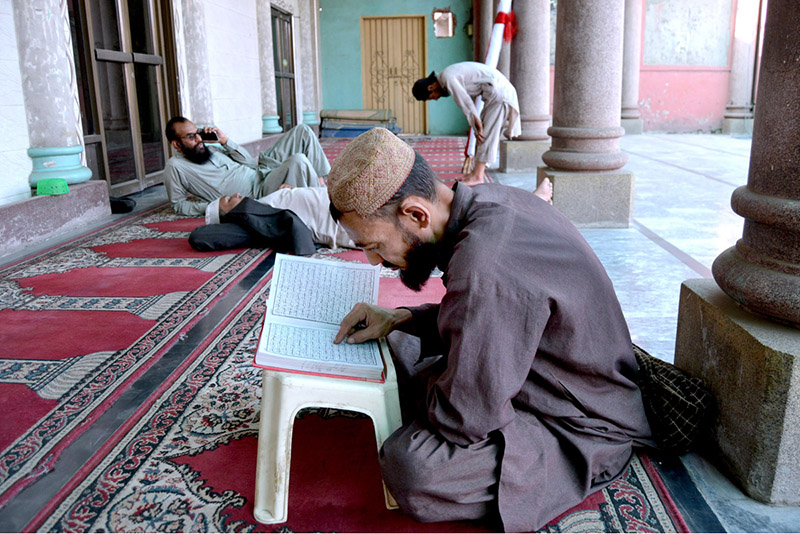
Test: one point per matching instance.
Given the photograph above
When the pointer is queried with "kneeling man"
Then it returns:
(517, 388)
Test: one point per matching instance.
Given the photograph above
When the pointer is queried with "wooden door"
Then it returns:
(393, 52)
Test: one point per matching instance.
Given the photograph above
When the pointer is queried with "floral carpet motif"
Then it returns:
(188, 463)
(82, 320)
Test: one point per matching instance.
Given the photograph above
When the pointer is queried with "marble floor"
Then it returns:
(682, 221)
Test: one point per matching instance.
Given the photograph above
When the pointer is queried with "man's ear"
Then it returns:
(415, 212)
(175, 145)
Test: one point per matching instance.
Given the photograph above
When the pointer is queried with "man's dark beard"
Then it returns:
(195, 155)
(444, 91)
(421, 259)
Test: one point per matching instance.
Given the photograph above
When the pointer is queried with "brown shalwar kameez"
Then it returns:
(524, 401)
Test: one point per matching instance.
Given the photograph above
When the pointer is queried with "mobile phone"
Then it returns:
(209, 136)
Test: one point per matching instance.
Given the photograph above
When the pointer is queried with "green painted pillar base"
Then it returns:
(58, 162)
(270, 124)
(310, 118)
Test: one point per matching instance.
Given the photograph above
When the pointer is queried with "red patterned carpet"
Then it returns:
(82, 322)
(187, 464)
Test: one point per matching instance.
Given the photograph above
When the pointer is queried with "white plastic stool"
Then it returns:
(284, 394)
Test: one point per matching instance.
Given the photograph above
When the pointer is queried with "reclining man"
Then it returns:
(516, 389)
(198, 174)
(290, 219)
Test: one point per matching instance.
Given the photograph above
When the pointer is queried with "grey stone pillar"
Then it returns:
(308, 54)
(266, 66)
(584, 160)
(50, 91)
(744, 342)
(738, 119)
(196, 53)
(484, 29)
(631, 58)
(504, 61)
(530, 74)
(762, 272)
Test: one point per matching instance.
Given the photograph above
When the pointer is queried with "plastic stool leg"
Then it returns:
(274, 452)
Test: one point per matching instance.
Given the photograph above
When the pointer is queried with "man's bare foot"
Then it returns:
(545, 191)
(472, 179)
(476, 176)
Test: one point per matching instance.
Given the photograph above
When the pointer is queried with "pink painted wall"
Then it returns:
(683, 99)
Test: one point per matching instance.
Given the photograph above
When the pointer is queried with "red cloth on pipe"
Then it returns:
(510, 21)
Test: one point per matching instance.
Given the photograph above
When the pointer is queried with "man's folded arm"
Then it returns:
(179, 197)
(237, 153)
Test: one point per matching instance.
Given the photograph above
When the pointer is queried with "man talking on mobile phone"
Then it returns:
(199, 173)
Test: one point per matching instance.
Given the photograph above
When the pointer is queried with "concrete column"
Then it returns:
(751, 361)
(584, 160)
(631, 59)
(266, 66)
(762, 272)
(197, 76)
(50, 91)
(738, 119)
(530, 74)
(486, 19)
(308, 54)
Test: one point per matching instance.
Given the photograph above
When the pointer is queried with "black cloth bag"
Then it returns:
(678, 406)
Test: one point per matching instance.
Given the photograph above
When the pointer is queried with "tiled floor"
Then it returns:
(682, 221)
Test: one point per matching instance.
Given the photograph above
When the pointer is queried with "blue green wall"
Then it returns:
(340, 39)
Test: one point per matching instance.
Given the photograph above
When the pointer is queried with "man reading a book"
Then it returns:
(517, 388)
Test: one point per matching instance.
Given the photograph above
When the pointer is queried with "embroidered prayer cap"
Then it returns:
(212, 212)
(369, 171)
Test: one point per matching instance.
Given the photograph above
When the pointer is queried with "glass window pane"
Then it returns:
(149, 117)
(94, 160)
(141, 34)
(80, 50)
(116, 122)
(104, 25)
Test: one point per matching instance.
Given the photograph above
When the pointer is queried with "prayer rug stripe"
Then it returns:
(102, 455)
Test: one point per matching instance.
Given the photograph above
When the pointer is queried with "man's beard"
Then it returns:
(196, 155)
(421, 260)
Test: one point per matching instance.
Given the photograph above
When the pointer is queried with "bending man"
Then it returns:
(198, 174)
(517, 389)
(464, 81)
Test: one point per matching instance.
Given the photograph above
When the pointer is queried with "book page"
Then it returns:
(307, 301)
(319, 291)
(317, 345)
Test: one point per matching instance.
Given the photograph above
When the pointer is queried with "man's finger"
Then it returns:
(349, 322)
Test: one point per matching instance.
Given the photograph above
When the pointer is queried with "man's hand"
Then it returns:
(479, 130)
(366, 321)
(223, 139)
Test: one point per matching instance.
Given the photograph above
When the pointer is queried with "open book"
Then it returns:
(307, 301)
